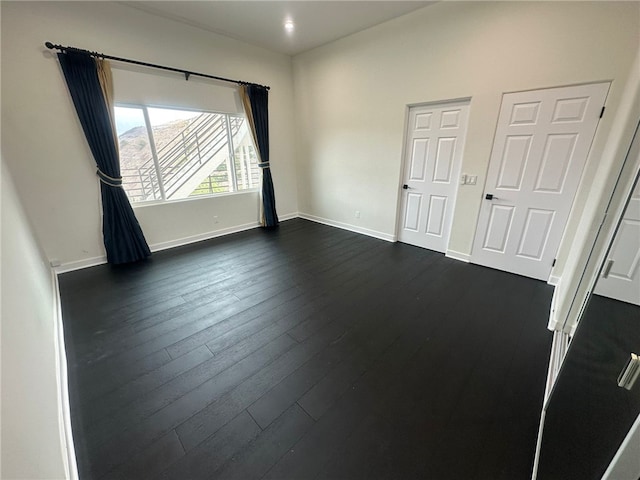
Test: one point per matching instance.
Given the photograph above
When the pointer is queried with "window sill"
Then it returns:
(155, 203)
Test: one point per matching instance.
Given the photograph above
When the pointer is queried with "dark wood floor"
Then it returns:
(304, 352)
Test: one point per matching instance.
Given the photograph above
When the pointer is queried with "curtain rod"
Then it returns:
(186, 73)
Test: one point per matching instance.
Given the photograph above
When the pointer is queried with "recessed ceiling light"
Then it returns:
(289, 26)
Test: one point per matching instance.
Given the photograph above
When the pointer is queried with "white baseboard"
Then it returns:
(80, 264)
(64, 409)
(463, 257)
(179, 242)
(157, 247)
(288, 216)
(349, 227)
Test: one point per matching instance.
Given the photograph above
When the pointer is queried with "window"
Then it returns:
(170, 154)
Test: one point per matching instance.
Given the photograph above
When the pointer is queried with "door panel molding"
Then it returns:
(432, 164)
(540, 148)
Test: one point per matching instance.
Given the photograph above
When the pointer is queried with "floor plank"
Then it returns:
(266, 449)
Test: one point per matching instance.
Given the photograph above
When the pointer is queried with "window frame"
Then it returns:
(232, 174)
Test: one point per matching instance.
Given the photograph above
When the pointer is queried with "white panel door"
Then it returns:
(433, 158)
(540, 147)
(621, 275)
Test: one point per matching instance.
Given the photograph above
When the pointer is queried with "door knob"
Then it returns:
(489, 196)
(405, 186)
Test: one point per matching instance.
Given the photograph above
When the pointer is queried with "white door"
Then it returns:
(433, 157)
(540, 147)
(621, 274)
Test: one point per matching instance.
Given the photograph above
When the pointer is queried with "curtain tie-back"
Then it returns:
(263, 165)
(107, 180)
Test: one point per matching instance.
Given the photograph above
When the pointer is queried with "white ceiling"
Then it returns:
(262, 22)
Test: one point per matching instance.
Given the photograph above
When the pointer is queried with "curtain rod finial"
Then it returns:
(49, 45)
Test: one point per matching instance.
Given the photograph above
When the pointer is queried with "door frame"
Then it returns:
(403, 155)
(552, 280)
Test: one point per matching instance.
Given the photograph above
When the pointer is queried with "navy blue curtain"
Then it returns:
(123, 237)
(259, 99)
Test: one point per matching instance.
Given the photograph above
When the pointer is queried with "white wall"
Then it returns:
(31, 425)
(43, 141)
(351, 96)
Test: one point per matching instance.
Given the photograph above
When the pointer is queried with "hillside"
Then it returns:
(134, 143)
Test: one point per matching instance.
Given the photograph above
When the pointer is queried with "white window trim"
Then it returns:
(232, 174)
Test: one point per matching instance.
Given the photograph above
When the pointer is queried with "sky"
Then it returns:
(130, 117)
